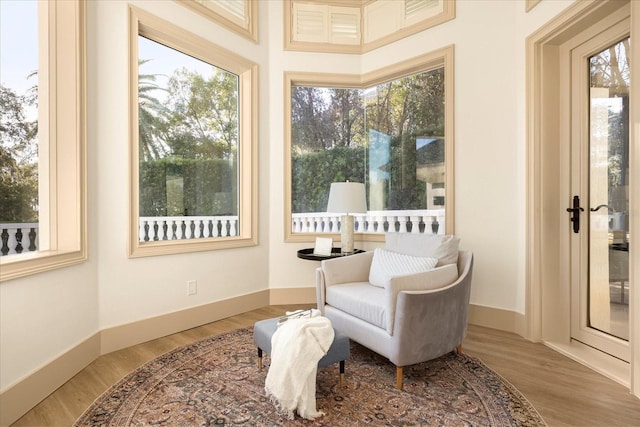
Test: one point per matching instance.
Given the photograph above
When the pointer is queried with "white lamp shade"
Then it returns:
(347, 197)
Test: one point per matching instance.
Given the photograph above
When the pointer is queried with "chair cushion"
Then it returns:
(361, 300)
(443, 247)
(387, 264)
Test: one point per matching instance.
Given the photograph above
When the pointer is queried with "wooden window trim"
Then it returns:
(150, 26)
(442, 57)
(62, 141)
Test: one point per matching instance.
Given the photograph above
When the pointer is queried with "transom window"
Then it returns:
(391, 130)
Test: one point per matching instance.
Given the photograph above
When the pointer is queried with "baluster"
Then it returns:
(146, 231)
(389, 225)
(216, 228)
(19, 247)
(192, 229)
(183, 229)
(233, 228)
(165, 227)
(304, 227)
(415, 224)
(201, 227)
(32, 239)
(5, 239)
(210, 228)
(402, 224)
(435, 225)
(155, 231)
(174, 229)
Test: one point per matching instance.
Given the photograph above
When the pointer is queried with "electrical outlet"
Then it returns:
(192, 287)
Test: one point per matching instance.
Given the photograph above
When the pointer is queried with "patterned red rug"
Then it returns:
(215, 381)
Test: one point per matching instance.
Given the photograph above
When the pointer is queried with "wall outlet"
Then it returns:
(192, 287)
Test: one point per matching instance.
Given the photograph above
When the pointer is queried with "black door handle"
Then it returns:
(575, 213)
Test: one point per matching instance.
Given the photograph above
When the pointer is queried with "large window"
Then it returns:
(193, 177)
(43, 224)
(391, 130)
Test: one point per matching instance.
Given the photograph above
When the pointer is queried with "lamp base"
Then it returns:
(346, 233)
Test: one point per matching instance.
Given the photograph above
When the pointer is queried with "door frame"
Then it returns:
(547, 304)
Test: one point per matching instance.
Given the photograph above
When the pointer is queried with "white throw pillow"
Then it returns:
(443, 247)
(387, 264)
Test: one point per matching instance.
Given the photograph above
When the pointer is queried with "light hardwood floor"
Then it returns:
(563, 391)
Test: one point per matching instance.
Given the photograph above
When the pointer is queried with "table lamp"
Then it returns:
(345, 198)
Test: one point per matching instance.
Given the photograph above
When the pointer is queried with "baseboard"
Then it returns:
(21, 397)
(497, 318)
(18, 399)
(118, 337)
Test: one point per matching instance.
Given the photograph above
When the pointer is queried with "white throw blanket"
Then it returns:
(296, 347)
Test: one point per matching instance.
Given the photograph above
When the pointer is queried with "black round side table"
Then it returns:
(307, 253)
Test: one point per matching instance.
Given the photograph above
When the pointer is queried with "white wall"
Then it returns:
(135, 289)
(489, 38)
(43, 315)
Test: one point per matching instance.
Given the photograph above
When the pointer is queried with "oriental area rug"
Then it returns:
(216, 381)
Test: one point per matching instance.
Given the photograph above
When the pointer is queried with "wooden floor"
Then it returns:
(563, 391)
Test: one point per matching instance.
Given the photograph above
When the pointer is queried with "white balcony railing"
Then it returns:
(152, 228)
(18, 238)
(430, 221)
(23, 237)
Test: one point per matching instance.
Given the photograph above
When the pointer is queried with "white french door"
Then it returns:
(598, 206)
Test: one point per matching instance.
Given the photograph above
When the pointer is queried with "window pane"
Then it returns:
(19, 126)
(390, 137)
(188, 146)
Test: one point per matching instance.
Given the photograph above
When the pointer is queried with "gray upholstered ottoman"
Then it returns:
(338, 352)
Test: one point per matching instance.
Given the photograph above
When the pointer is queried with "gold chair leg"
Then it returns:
(459, 349)
(399, 377)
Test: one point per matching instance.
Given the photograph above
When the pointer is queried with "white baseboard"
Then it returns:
(497, 318)
(118, 337)
(18, 399)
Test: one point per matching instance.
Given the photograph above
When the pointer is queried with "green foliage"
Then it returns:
(190, 187)
(18, 149)
(313, 174)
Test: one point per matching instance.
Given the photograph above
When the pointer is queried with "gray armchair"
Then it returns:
(412, 319)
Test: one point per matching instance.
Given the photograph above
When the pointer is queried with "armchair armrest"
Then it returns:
(433, 279)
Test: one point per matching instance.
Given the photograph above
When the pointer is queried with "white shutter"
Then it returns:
(381, 18)
(419, 10)
(310, 23)
(345, 25)
(232, 10)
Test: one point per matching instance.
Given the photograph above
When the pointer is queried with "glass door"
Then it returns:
(609, 190)
(600, 192)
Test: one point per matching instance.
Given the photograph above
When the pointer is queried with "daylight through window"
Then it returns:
(391, 136)
(190, 144)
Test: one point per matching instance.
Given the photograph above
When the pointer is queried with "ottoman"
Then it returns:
(338, 352)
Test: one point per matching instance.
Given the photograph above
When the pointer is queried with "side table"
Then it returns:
(307, 253)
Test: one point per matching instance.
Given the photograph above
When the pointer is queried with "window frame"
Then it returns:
(62, 182)
(440, 58)
(142, 23)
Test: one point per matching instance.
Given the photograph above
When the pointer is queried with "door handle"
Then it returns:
(575, 213)
(598, 208)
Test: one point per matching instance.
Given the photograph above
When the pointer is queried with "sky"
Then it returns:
(18, 43)
(19, 49)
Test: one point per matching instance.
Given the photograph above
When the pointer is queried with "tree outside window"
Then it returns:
(390, 136)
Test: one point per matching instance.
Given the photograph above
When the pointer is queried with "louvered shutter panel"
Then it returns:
(310, 23)
(345, 25)
(419, 10)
